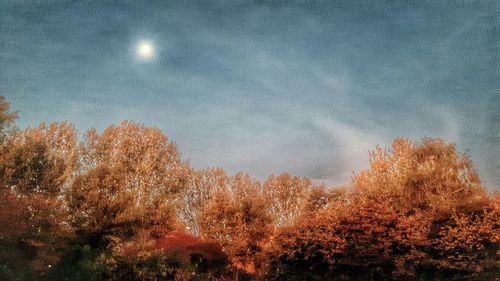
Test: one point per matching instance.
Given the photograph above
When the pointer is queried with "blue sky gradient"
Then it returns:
(306, 87)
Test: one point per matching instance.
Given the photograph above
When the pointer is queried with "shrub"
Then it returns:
(176, 256)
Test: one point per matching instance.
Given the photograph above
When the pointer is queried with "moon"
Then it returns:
(145, 50)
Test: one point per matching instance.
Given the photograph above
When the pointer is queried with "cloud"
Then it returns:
(352, 145)
(264, 88)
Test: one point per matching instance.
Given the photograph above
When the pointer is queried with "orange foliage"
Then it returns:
(468, 240)
(203, 184)
(238, 219)
(131, 174)
(42, 159)
(145, 156)
(175, 256)
(286, 197)
(193, 249)
(419, 211)
(35, 166)
(427, 175)
(344, 239)
(6, 117)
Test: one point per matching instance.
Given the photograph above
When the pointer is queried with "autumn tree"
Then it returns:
(418, 212)
(319, 198)
(286, 197)
(6, 117)
(130, 175)
(366, 239)
(36, 165)
(202, 186)
(426, 175)
(237, 218)
(343, 240)
(42, 159)
(439, 199)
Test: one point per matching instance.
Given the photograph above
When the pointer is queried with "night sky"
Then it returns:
(307, 87)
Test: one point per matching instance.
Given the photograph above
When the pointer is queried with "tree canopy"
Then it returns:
(123, 205)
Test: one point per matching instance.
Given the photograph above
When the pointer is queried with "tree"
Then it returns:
(6, 117)
(319, 198)
(203, 184)
(419, 212)
(131, 174)
(42, 159)
(237, 218)
(35, 166)
(466, 241)
(426, 175)
(344, 240)
(286, 197)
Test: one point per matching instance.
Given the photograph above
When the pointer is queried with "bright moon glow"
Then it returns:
(145, 50)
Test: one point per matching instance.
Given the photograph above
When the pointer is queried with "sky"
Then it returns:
(307, 87)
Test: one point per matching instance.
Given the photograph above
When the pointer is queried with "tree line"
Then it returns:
(124, 205)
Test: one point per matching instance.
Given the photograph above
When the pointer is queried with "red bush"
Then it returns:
(206, 255)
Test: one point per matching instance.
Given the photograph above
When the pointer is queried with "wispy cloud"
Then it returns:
(264, 88)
